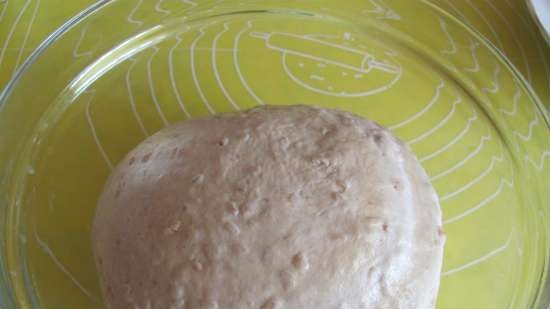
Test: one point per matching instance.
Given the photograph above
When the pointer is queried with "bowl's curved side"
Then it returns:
(9, 145)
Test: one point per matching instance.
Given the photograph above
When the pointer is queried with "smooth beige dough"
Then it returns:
(273, 208)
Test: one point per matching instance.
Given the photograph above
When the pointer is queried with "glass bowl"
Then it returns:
(121, 70)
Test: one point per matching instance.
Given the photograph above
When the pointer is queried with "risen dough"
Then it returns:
(279, 207)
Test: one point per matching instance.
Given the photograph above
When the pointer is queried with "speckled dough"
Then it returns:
(273, 208)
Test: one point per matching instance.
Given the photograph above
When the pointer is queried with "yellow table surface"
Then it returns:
(507, 24)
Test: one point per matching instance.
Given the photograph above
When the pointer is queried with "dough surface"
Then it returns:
(274, 208)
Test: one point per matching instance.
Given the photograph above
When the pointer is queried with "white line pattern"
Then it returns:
(152, 86)
(532, 124)
(191, 3)
(359, 60)
(132, 100)
(452, 49)
(479, 260)
(12, 30)
(481, 204)
(538, 165)
(90, 121)
(172, 75)
(237, 66)
(526, 137)
(495, 83)
(434, 154)
(515, 103)
(158, 8)
(438, 126)
(461, 163)
(474, 181)
(4, 9)
(373, 91)
(76, 53)
(30, 23)
(130, 17)
(48, 251)
(475, 67)
(382, 12)
(194, 71)
(426, 108)
(215, 67)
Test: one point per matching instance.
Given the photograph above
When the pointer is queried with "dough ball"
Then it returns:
(277, 207)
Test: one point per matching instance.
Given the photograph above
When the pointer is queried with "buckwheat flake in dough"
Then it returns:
(278, 207)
